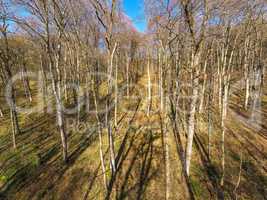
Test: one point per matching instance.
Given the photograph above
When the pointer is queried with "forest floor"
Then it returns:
(36, 171)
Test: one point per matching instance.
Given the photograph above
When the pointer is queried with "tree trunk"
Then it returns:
(78, 86)
(1, 113)
(167, 163)
(102, 160)
(107, 114)
(87, 95)
(116, 94)
(191, 121)
(26, 83)
(43, 86)
(59, 112)
(224, 113)
(202, 94)
(210, 118)
(148, 88)
(256, 104)
(127, 76)
(247, 71)
(14, 116)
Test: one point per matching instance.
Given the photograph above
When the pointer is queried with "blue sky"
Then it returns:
(135, 10)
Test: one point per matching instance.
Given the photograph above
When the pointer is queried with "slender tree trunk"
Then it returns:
(224, 113)
(102, 160)
(247, 90)
(59, 112)
(162, 82)
(220, 88)
(65, 85)
(247, 71)
(165, 108)
(226, 75)
(78, 86)
(63, 134)
(239, 176)
(43, 86)
(7, 66)
(210, 118)
(1, 113)
(127, 76)
(108, 120)
(255, 116)
(14, 128)
(87, 95)
(167, 163)
(161, 62)
(102, 155)
(14, 117)
(191, 121)
(202, 94)
(116, 94)
(148, 87)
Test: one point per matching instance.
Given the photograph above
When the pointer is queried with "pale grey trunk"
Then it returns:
(239, 176)
(59, 112)
(148, 87)
(100, 137)
(226, 84)
(191, 125)
(127, 76)
(210, 118)
(166, 140)
(202, 94)
(161, 62)
(1, 113)
(247, 91)
(224, 113)
(159, 72)
(191, 121)
(102, 155)
(43, 94)
(220, 90)
(177, 85)
(87, 95)
(116, 94)
(112, 150)
(247, 71)
(78, 86)
(165, 108)
(63, 134)
(12, 100)
(108, 123)
(167, 163)
(161, 82)
(13, 130)
(65, 85)
(255, 112)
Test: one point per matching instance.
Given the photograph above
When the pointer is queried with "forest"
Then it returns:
(93, 108)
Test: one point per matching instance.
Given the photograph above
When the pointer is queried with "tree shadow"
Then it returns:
(120, 157)
(136, 181)
(41, 155)
(210, 169)
(253, 178)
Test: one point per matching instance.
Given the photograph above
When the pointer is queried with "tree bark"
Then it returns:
(191, 121)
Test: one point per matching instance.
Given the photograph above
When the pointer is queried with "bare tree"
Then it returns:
(6, 57)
